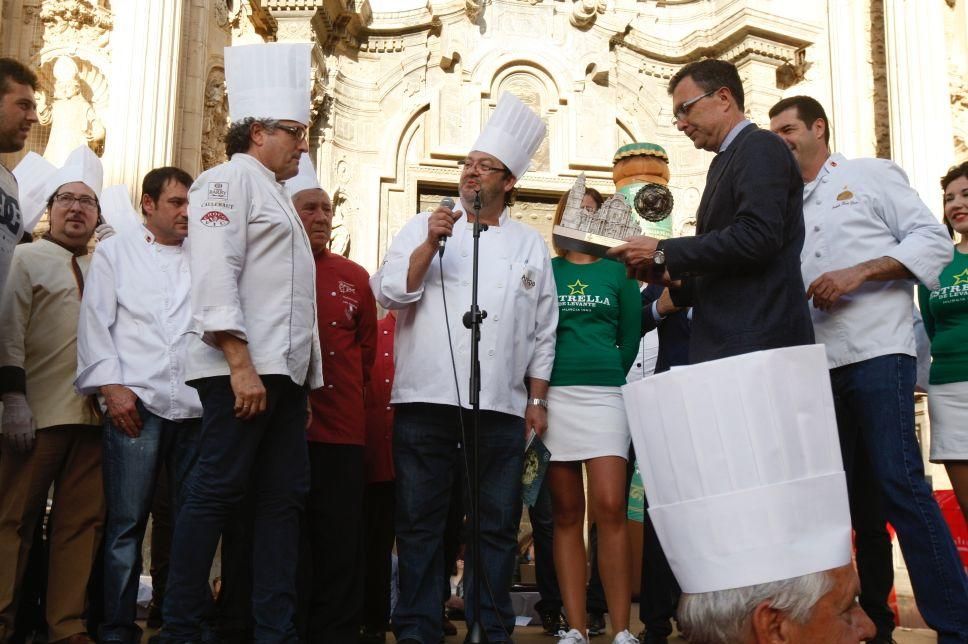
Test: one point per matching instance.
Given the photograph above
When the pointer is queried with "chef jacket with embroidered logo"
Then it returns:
(517, 290)
(347, 337)
(134, 321)
(857, 210)
(252, 273)
(378, 451)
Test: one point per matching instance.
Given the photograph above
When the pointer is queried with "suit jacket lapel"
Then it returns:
(716, 170)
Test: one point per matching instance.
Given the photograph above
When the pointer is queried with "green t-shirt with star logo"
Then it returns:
(599, 311)
(945, 314)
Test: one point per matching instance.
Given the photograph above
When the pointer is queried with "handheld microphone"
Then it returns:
(448, 203)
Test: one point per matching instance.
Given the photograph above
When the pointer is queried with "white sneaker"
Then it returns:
(625, 638)
(571, 637)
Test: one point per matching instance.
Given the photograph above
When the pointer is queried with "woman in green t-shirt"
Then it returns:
(945, 313)
(599, 311)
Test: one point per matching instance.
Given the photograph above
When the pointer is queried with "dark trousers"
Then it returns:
(268, 454)
(659, 593)
(334, 517)
(378, 534)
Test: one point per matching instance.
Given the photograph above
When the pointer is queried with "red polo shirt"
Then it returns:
(378, 454)
(347, 337)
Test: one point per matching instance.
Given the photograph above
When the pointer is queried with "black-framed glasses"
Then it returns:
(67, 200)
(481, 166)
(296, 132)
(683, 111)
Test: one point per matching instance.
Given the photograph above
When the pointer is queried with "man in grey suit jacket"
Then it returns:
(741, 272)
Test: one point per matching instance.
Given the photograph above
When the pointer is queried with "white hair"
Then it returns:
(723, 616)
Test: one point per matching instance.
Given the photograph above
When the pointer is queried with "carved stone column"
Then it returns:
(144, 85)
(917, 82)
(852, 82)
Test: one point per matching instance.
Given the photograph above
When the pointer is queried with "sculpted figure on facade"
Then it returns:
(86, 22)
(215, 120)
(72, 119)
(584, 12)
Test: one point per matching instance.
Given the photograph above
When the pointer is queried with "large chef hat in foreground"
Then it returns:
(81, 165)
(305, 180)
(33, 172)
(268, 81)
(742, 468)
(118, 211)
(512, 134)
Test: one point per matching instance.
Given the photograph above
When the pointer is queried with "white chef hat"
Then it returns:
(270, 80)
(512, 134)
(305, 180)
(117, 210)
(742, 468)
(33, 172)
(81, 165)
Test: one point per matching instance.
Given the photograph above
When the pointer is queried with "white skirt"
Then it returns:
(586, 422)
(948, 411)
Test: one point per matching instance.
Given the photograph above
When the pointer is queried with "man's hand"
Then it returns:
(122, 404)
(664, 305)
(830, 287)
(250, 393)
(18, 426)
(440, 225)
(536, 418)
(636, 252)
(103, 232)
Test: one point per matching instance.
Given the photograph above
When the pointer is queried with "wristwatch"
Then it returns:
(658, 258)
(540, 402)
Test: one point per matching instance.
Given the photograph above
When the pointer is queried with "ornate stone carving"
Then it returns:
(223, 16)
(251, 23)
(959, 109)
(584, 12)
(215, 121)
(76, 21)
(70, 114)
(473, 9)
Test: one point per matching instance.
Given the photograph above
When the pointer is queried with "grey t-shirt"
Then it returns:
(11, 222)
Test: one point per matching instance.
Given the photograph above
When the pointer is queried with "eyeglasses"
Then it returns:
(482, 167)
(683, 111)
(67, 200)
(298, 133)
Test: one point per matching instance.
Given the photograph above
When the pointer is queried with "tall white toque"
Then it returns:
(742, 468)
(512, 134)
(305, 180)
(81, 165)
(271, 80)
(117, 210)
(33, 172)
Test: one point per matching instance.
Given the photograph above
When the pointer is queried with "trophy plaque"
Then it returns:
(594, 233)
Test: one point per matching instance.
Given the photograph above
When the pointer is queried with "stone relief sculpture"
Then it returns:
(584, 12)
(339, 237)
(215, 121)
(72, 119)
(473, 9)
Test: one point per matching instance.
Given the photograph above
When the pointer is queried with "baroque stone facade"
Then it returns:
(402, 87)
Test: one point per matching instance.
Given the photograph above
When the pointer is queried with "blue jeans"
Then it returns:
(874, 400)
(425, 442)
(268, 455)
(131, 467)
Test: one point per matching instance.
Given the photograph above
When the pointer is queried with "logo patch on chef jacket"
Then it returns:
(215, 219)
(846, 198)
(346, 287)
(527, 280)
(218, 189)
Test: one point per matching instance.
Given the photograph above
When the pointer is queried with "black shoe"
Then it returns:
(553, 621)
(596, 624)
(645, 637)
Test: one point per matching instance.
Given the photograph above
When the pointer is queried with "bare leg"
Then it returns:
(607, 495)
(568, 510)
(958, 473)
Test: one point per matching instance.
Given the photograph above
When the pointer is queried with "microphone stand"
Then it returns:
(472, 320)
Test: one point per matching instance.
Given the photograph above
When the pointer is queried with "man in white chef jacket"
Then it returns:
(255, 349)
(131, 347)
(517, 341)
(749, 498)
(869, 239)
